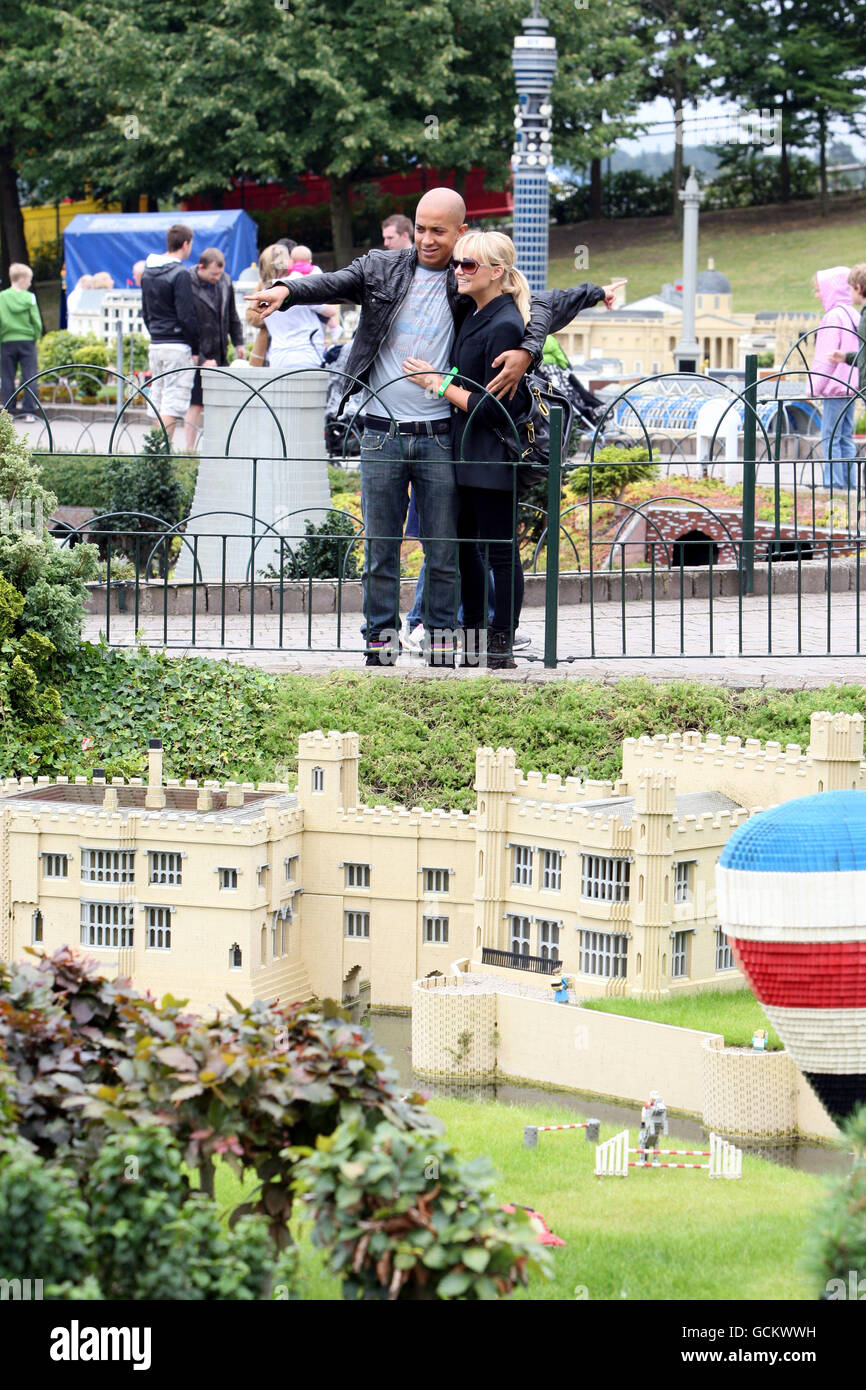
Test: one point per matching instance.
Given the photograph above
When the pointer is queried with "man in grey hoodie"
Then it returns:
(168, 310)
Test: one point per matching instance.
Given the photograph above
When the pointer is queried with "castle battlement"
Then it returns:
(330, 746)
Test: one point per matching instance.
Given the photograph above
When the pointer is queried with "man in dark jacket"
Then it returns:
(411, 308)
(169, 315)
(217, 323)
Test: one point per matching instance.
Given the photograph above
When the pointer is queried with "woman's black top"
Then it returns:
(483, 336)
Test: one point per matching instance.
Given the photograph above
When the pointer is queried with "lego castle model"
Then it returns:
(264, 892)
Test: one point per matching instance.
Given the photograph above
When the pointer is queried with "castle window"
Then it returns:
(357, 875)
(437, 880)
(604, 879)
(158, 928)
(683, 882)
(165, 867)
(107, 865)
(548, 940)
(520, 927)
(724, 954)
(228, 878)
(551, 870)
(36, 934)
(318, 779)
(236, 958)
(55, 865)
(292, 868)
(436, 931)
(260, 875)
(604, 954)
(523, 865)
(679, 955)
(357, 923)
(106, 925)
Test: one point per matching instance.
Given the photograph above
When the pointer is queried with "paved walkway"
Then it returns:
(597, 645)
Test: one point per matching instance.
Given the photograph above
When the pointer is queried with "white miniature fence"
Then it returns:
(612, 1158)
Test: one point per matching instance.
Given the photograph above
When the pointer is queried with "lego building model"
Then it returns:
(264, 892)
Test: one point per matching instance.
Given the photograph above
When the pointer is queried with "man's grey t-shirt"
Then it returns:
(422, 327)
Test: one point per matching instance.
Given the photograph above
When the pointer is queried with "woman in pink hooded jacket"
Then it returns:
(831, 380)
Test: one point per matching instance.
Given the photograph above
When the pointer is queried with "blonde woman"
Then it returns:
(486, 273)
(273, 261)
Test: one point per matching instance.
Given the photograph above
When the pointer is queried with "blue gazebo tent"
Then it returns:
(115, 241)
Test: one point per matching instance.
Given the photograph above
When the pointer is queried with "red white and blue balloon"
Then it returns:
(791, 886)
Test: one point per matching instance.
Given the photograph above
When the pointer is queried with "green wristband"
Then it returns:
(447, 380)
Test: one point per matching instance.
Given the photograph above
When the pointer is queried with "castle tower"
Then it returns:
(651, 890)
(494, 784)
(835, 751)
(327, 775)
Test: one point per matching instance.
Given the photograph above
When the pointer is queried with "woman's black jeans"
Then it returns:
(486, 520)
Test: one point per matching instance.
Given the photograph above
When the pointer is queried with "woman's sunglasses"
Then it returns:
(468, 266)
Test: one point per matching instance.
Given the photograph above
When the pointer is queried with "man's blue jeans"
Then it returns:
(389, 463)
(837, 441)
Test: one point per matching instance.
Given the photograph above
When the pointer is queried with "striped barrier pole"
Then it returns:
(531, 1132)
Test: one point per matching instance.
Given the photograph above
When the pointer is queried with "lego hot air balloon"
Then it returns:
(792, 900)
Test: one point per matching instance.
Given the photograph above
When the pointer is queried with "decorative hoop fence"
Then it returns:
(776, 568)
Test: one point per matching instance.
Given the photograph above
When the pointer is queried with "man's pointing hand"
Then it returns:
(267, 301)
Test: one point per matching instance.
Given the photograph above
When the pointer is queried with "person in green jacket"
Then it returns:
(552, 354)
(857, 285)
(20, 329)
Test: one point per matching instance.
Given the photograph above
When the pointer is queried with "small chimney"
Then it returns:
(234, 794)
(109, 800)
(98, 776)
(204, 801)
(154, 798)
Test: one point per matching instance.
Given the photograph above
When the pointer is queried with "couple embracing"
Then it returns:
(450, 310)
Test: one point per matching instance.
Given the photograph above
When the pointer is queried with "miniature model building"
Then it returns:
(263, 892)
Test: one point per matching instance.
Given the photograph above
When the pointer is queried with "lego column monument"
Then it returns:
(534, 61)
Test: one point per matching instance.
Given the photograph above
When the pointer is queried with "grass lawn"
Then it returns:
(418, 738)
(733, 1013)
(768, 254)
(665, 1234)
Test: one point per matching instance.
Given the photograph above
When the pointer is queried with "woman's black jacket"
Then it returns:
(479, 452)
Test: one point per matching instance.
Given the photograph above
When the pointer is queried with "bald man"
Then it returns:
(411, 308)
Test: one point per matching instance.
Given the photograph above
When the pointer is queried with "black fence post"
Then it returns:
(750, 409)
(554, 495)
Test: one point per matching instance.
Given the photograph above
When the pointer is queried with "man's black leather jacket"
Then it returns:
(380, 281)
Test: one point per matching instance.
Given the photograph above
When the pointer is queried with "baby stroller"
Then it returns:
(587, 407)
(342, 431)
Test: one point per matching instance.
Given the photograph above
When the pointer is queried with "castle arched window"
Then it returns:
(235, 957)
(318, 779)
(263, 945)
(38, 928)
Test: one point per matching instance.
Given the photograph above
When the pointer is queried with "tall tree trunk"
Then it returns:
(822, 161)
(13, 244)
(341, 220)
(679, 122)
(784, 168)
(595, 190)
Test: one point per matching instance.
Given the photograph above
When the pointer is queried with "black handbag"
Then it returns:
(533, 432)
